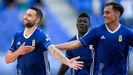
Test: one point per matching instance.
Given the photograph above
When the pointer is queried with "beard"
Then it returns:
(108, 21)
(28, 25)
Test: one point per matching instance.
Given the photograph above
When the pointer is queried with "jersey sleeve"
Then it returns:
(46, 41)
(130, 38)
(89, 38)
(13, 43)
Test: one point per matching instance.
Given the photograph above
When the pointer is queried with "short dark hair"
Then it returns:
(38, 12)
(84, 14)
(116, 7)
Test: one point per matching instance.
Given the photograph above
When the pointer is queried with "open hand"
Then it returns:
(75, 64)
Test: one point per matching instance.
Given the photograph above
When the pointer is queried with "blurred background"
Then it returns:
(59, 21)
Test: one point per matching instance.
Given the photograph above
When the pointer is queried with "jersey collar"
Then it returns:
(30, 34)
(114, 30)
(77, 37)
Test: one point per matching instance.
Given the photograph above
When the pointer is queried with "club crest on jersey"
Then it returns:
(120, 38)
(33, 42)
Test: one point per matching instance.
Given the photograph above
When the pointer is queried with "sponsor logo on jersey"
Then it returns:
(101, 66)
(19, 43)
(102, 37)
(47, 38)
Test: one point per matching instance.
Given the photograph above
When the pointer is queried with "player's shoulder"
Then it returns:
(73, 38)
(18, 33)
(102, 26)
(124, 28)
(41, 33)
(98, 28)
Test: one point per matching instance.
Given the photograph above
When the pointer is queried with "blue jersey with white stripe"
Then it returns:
(111, 49)
(35, 62)
(85, 56)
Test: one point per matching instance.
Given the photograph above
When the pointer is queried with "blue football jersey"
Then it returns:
(111, 49)
(85, 56)
(35, 62)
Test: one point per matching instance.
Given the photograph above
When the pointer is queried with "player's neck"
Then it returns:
(29, 31)
(80, 35)
(113, 26)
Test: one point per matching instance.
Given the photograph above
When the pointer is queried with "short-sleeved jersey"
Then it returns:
(35, 62)
(85, 56)
(111, 49)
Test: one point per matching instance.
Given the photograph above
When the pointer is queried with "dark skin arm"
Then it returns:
(62, 69)
(69, 45)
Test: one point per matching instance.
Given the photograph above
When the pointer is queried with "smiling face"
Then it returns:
(82, 24)
(30, 18)
(110, 16)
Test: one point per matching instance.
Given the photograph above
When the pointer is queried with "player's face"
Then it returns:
(109, 15)
(82, 24)
(30, 18)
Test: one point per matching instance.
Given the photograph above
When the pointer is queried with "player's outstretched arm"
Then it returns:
(61, 57)
(12, 56)
(62, 69)
(69, 45)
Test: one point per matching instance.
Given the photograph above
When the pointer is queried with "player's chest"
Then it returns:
(113, 38)
(32, 41)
